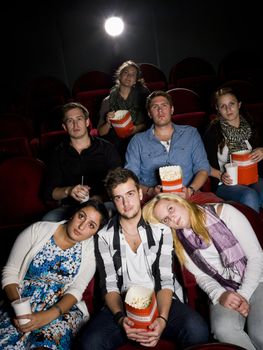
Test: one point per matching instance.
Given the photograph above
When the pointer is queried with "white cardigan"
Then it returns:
(243, 231)
(30, 242)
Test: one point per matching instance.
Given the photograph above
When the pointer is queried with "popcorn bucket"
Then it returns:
(171, 178)
(141, 306)
(122, 123)
(172, 186)
(247, 169)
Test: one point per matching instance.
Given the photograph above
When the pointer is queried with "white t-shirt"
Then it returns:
(138, 274)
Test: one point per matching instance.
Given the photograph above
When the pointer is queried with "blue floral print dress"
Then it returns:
(47, 278)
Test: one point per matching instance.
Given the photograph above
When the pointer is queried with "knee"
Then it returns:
(89, 340)
(256, 337)
(223, 330)
(197, 330)
(251, 199)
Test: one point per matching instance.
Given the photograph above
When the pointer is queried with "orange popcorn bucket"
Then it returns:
(172, 186)
(142, 317)
(247, 169)
(123, 126)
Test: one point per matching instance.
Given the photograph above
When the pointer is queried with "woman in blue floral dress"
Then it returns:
(52, 263)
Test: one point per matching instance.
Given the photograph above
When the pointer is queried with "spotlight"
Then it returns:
(114, 26)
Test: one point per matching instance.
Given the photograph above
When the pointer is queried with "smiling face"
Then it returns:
(126, 197)
(172, 214)
(84, 224)
(75, 123)
(228, 107)
(160, 111)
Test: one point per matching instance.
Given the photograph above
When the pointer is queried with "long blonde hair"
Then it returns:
(196, 216)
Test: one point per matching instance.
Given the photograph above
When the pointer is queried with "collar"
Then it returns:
(115, 224)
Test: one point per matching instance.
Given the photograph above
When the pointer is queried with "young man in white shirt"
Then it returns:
(131, 252)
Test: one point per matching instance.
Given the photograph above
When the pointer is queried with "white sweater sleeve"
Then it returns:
(243, 231)
(241, 228)
(87, 270)
(208, 284)
(17, 255)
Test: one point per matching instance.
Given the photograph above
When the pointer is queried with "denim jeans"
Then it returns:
(185, 327)
(228, 325)
(251, 195)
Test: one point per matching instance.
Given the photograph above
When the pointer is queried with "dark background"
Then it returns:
(66, 38)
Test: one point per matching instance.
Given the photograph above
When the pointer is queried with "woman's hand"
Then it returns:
(226, 179)
(234, 301)
(257, 154)
(109, 116)
(37, 320)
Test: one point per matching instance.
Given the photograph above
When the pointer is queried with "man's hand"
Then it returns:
(147, 338)
(135, 334)
(79, 192)
(154, 333)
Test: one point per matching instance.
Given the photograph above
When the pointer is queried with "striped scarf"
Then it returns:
(231, 254)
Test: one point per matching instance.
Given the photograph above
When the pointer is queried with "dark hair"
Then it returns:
(157, 93)
(99, 207)
(119, 176)
(71, 105)
(126, 64)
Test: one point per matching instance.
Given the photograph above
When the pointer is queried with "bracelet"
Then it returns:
(59, 309)
(117, 316)
(163, 318)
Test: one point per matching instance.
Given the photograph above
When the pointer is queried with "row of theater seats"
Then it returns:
(43, 94)
(19, 137)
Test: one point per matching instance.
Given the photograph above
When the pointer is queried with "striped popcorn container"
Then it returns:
(141, 306)
(122, 123)
(247, 169)
(172, 186)
(171, 178)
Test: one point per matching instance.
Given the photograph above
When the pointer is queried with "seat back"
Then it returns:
(190, 67)
(42, 96)
(88, 295)
(185, 100)
(92, 101)
(154, 77)
(21, 183)
(196, 74)
(198, 120)
(92, 80)
(15, 125)
(15, 146)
